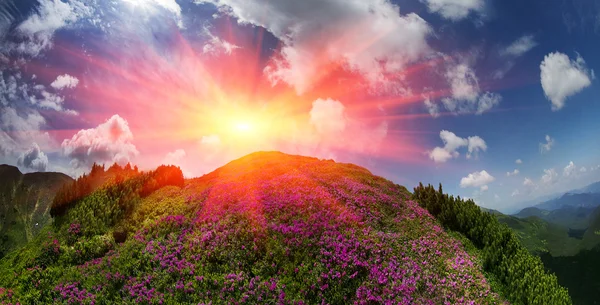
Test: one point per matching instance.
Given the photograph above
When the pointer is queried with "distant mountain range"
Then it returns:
(586, 196)
(576, 200)
(24, 203)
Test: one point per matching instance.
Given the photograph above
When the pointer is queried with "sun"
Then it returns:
(243, 127)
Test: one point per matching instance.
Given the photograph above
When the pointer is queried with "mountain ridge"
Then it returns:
(24, 204)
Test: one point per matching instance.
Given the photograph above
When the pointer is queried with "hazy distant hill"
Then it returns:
(570, 216)
(24, 203)
(587, 200)
(592, 188)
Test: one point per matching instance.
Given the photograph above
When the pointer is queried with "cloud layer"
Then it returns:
(455, 9)
(465, 94)
(370, 37)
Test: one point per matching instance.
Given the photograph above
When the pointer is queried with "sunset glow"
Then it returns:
(402, 89)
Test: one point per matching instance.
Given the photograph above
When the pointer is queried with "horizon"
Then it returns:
(511, 210)
(496, 100)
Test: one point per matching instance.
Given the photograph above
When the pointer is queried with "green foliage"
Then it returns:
(580, 273)
(522, 275)
(69, 194)
(99, 212)
(539, 236)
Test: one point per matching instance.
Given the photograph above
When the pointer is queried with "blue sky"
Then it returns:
(373, 82)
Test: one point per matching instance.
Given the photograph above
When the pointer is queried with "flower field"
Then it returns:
(265, 229)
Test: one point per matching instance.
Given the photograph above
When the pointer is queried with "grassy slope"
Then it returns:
(267, 228)
(24, 202)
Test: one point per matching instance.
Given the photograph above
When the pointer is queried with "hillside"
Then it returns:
(539, 235)
(579, 273)
(591, 238)
(569, 216)
(24, 204)
(268, 228)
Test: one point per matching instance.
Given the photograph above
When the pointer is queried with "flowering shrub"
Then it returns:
(50, 251)
(75, 229)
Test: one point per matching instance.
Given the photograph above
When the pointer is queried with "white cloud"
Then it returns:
(149, 6)
(529, 186)
(476, 144)
(315, 34)
(550, 176)
(477, 179)
(452, 143)
(440, 155)
(18, 92)
(519, 161)
(432, 108)
(328, 116)
(34, 159)
(65, 81)
(109, 142)
(37, 30)
(174, 157)
(496, 198)
(487, 101)
(570, 169)
(519, 47)
(466, 95)
(546, 147)
(583, 169)
(513, 173)
(455, 9)
(19, 130)
(562, 77)
(216, 45)
(515, 193)
(463, 82)
(484, 188)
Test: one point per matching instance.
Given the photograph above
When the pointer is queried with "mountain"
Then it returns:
(592, 188)
(587, 200)
(591, 237)
(24, 204)
(516, 207)
(569, 216)
(267, 228)
(539, 235)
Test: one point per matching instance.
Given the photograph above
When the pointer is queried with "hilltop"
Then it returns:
(24, 204)
(268, 228)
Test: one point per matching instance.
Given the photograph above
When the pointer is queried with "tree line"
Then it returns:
(522, 275)
(98, 177)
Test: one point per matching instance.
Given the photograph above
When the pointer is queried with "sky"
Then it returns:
(498, 100)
